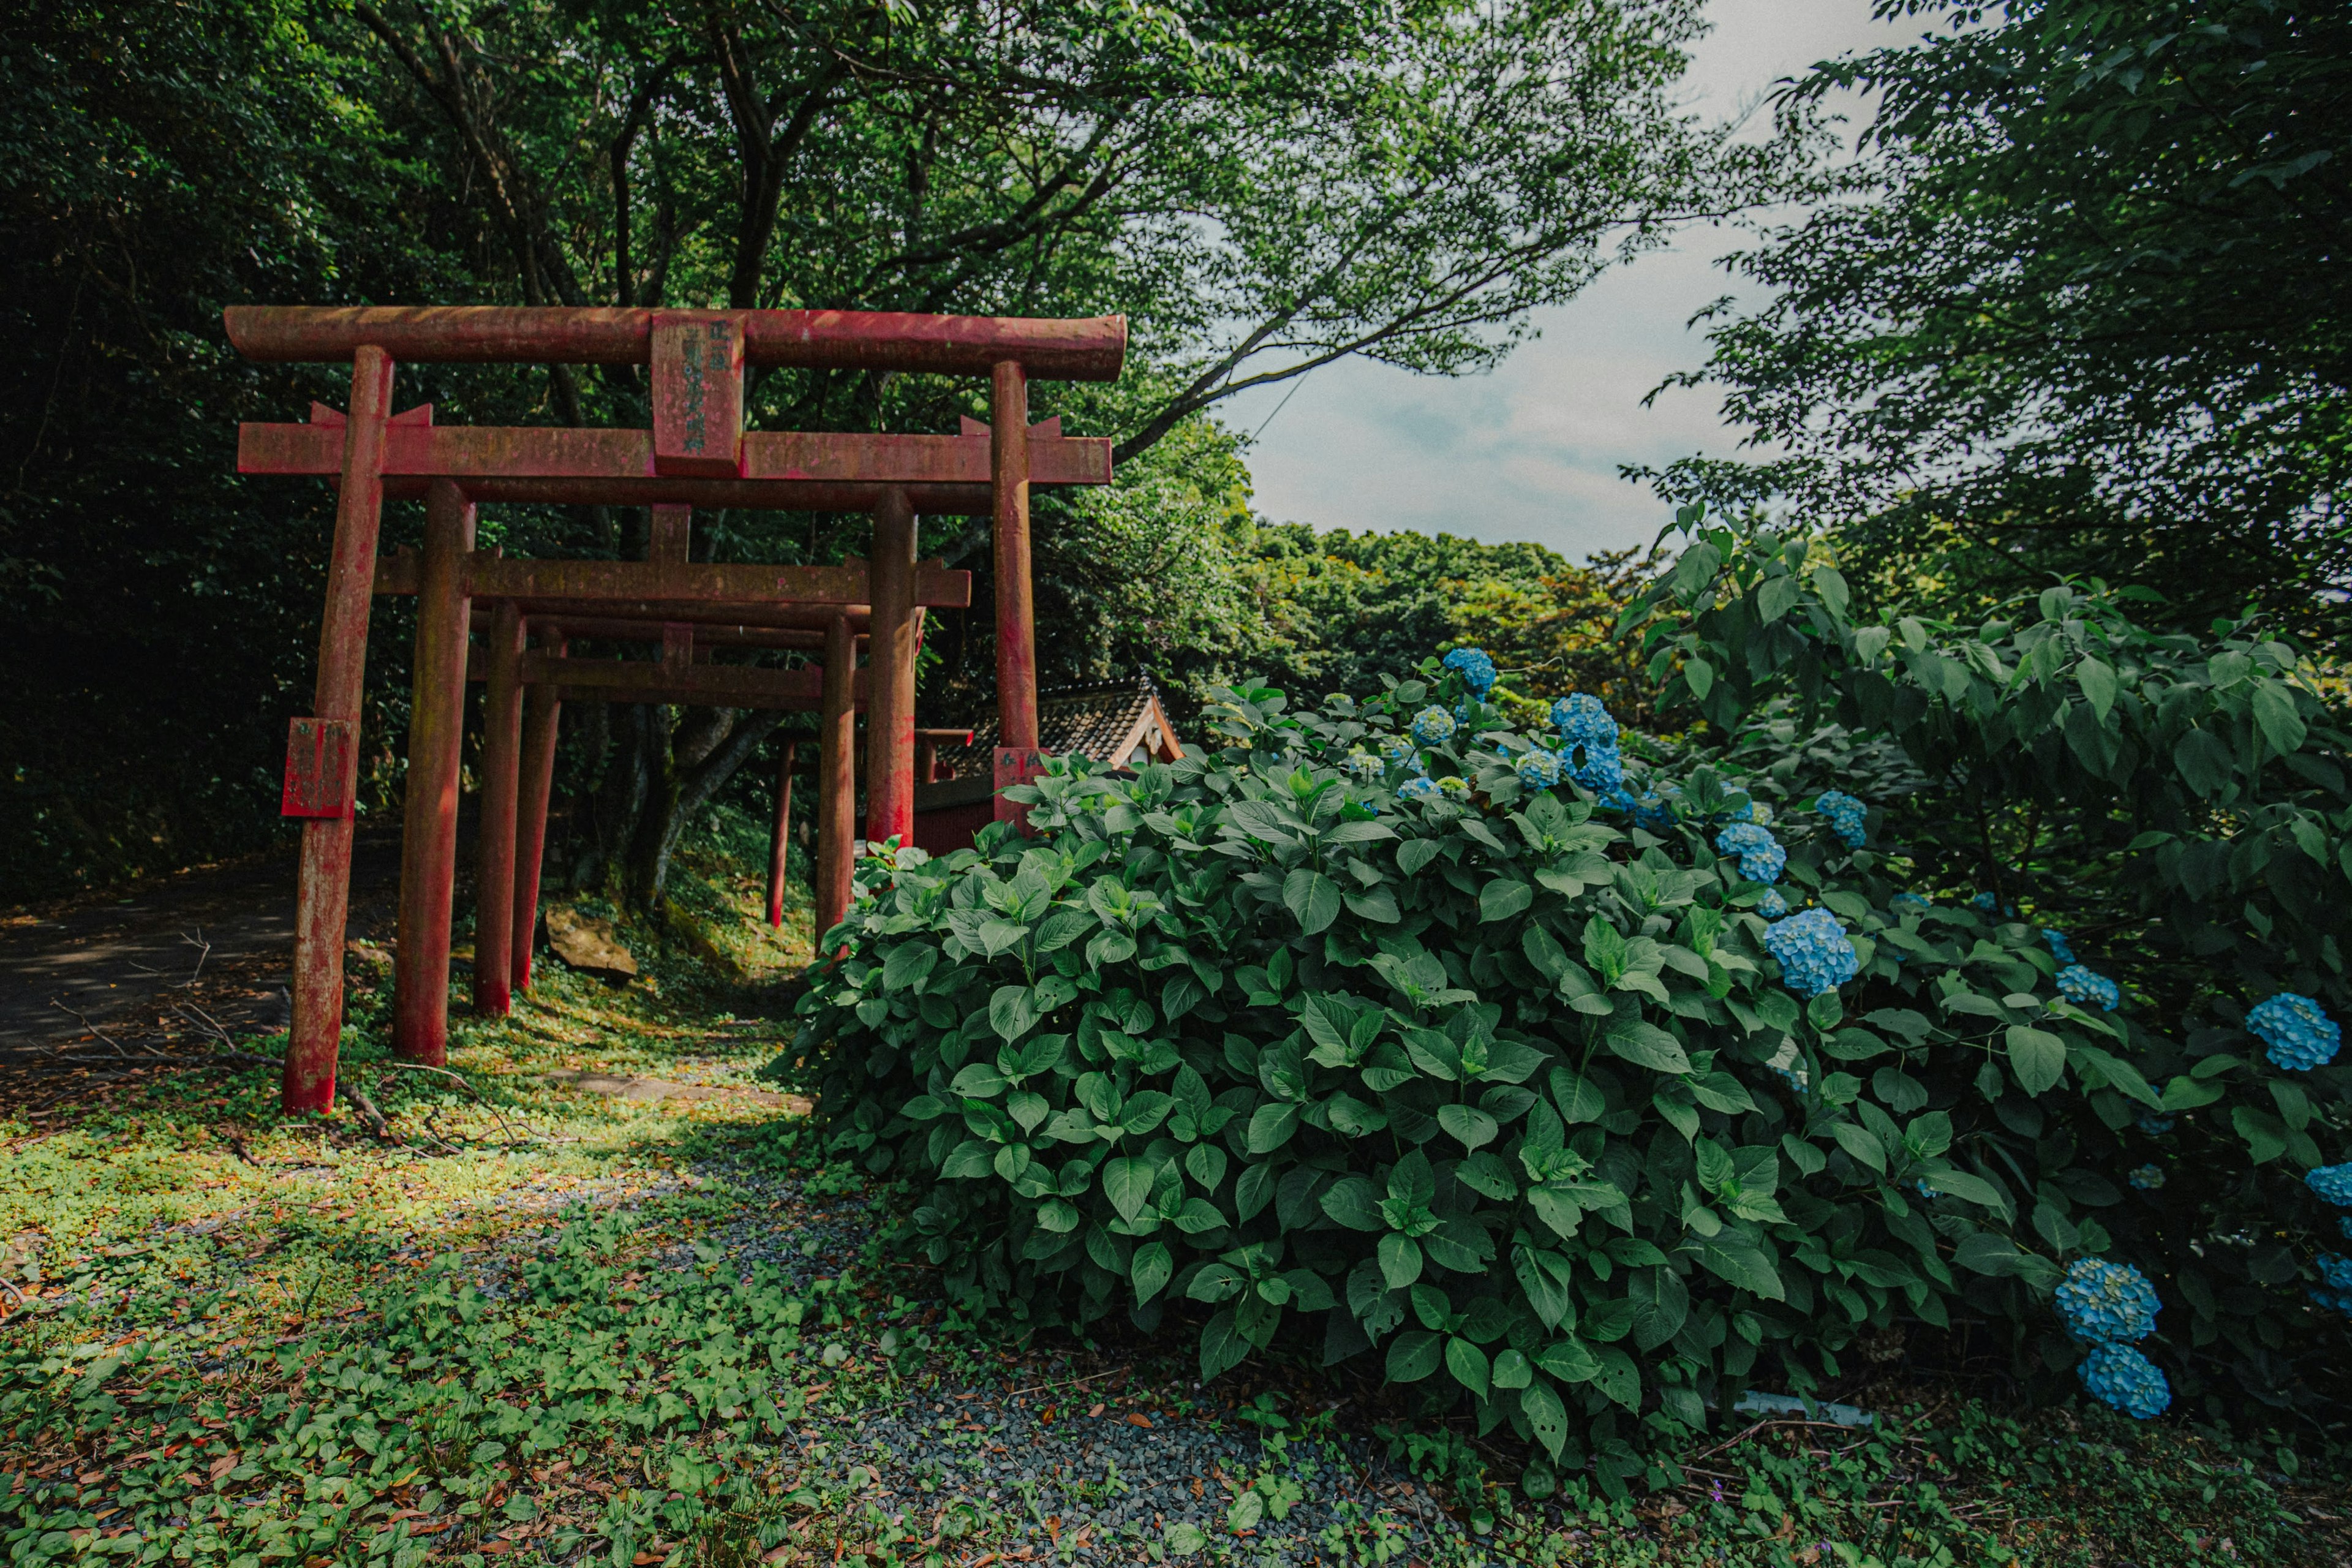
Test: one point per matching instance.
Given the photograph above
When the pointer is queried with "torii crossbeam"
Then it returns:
(696, 453)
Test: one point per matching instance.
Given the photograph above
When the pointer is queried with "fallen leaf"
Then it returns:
(1137, 1418)
(1096, 1411)
(221, 1466)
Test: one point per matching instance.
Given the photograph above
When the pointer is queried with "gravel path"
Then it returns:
(1092, 1469)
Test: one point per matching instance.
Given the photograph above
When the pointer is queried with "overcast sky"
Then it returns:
(1531, 451)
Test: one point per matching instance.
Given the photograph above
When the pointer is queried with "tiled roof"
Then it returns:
(1092, 720)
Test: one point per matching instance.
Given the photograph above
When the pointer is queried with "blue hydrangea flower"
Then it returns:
(1538, 769)
(2146, 1178)
(1396, 749)
(2057, 941)
(1813, 951)
(1457, 788)
(1845, 813)
(1908, 903)
(1364, 765)
(2121, 1376)
(1657, 812)
(1989, 904)
(2332, 1182)
(2084, 986)
(1925, 1191)
(2155, 1126)
(2336, 1272)
(1758, 812)
(1424, 789)
(2295, 1035)
(1581, 721)
(2333, 1300)
(1799, 1080)
(2107, 1303)
(1478, 670)
(1760, 855)
(1602, 771)
(1432, 726)
(1772, 906)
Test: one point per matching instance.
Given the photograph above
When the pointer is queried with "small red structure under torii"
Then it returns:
(696, 453)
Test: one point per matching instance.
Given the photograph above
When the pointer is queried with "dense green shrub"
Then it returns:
(1500, 1088)
(2177, 807)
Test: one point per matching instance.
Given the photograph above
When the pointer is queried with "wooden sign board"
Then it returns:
(321, 762)
(698, 373)
(1016, 765)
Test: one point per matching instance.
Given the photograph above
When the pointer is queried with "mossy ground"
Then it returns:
(528, 1328)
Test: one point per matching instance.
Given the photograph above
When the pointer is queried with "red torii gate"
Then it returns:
(696, 453)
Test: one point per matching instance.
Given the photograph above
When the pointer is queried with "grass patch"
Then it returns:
(554, 1326)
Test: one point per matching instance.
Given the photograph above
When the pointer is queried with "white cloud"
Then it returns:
(1531, 452)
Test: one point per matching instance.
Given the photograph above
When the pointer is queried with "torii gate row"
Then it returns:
(526, 690)
(552, 679)
(695, 453)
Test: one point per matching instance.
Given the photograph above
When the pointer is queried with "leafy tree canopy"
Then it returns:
(1261, 190)
(2082, 306)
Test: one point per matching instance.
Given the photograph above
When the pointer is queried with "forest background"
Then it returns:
(2075, 308)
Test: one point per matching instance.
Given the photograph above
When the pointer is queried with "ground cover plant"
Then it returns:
(544, 1325)
(1512, 1063)
(1225, 1035)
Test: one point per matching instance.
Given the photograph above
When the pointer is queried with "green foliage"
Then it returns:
(1351, 606)
(1502, 1094)
(2179, 806)
(2081, 309)
(1259, 191)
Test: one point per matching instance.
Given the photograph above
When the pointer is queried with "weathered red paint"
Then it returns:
(698, 386)
(706, 635)
(798, 691)
(778, 460)
(723, 615)
(320, 768)
(1081, 350)
(543, 717)
(428, 845)
(494, 876)
(322, 895)
(779, 838)
(836, 781)
(1016, 626)
(585, 583)
(715, 495)
(890, 676)
(927, 751)
(671, 539)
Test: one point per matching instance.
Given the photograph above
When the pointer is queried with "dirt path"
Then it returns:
(121, 964)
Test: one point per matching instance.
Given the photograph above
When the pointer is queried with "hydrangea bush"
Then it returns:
(2177, 808)
(1511, 1091)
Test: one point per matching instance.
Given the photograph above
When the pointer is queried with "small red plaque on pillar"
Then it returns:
(697, 372)
(320, 755)
(1016, 765)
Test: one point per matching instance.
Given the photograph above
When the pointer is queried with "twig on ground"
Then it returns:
(512, 1142)
(145, 1052)
(203, 951)
(1071, 1383)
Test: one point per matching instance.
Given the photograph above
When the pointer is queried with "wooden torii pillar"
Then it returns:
(421, 968)
(695, 453)
(804, 690)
